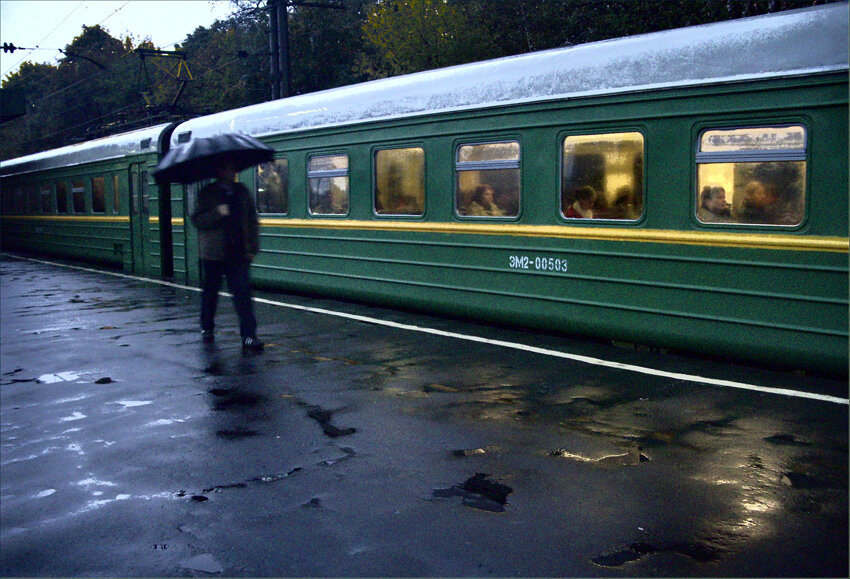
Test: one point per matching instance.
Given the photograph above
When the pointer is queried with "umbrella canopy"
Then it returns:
(200, 158)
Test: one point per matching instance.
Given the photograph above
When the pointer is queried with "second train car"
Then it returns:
(685, 189)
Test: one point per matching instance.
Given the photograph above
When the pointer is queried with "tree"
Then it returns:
(95, 87)
(325, 46)
(406, 36)
(414, 35)
(70, 101)
(229, 65)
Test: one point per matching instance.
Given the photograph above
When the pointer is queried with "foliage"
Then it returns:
(229, 64)
(415, 35)
(96, 86)
(89, 87)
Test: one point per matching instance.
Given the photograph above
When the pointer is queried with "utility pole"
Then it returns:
(281, 75)
(283, 48)
(274, 48)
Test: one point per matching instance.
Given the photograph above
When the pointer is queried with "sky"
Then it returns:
(53, 24)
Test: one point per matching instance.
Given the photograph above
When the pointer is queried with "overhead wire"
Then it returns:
(38, 47)
(114, 12)
(46, 37)
(111, 71)
(115, 111)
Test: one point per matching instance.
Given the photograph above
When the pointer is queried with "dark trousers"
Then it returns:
(236, 272)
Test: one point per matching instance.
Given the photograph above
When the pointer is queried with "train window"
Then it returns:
(273, 187)
(400, 181)
(46, 199)
(78, 196)
(753, 176)
(98, 195)
(488, 180)
(61, 197)
(116, 194)
(602, 176)
(327, 176)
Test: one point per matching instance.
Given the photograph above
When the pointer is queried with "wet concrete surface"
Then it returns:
(352, 449)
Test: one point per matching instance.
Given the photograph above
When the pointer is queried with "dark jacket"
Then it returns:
(226, 237)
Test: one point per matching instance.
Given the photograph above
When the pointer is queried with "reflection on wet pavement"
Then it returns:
(350, 443)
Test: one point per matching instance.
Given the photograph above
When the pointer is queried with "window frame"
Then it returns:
(78, 186)
(102, 195)
(458, 166)
(330, 174)
(60, 186)
(395, 147)
(602, 131)
(46, 193)
(116, 193)
(288, 187)
(750, 156)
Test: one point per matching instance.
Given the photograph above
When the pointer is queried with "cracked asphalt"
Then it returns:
(354, 449)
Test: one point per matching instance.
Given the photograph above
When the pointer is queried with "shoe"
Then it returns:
(207, 336)
(252, 344)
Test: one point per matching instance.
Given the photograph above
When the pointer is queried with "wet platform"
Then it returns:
(372, 442)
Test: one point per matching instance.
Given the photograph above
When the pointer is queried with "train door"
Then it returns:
(139, 216)
(166, 231)
(193, 259)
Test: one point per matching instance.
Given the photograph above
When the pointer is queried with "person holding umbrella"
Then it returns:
(228, 236)
(226, 219)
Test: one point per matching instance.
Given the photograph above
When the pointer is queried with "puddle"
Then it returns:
(226, 487)
(133, 403)
(58, 377)
(699, 552)
(631, 457)
(323, 417)
(465, 452)
(478, 492)
(786, 440)
(263, 479)
(74, 416)
(628, 554)
(276, 477)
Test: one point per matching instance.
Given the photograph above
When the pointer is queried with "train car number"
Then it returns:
(537, 263)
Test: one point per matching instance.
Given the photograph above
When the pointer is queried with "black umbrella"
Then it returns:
(200, 158)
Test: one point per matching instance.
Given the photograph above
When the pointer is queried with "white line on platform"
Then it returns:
(499, 343)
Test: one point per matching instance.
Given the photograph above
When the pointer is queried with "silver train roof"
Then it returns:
(788, 43)
(115, 146)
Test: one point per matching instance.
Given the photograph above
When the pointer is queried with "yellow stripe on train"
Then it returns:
(717, 239)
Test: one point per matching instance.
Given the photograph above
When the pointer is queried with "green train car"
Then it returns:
(94, 201)
(686, 189)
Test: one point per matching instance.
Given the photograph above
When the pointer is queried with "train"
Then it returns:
(684, 190)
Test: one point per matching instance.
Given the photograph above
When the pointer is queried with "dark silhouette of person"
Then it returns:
(228, 235)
